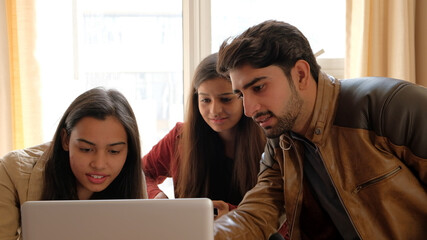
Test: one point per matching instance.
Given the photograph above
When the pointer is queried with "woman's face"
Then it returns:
(98, 151)
(218, 105)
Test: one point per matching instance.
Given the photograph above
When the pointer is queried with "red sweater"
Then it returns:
(160, 162)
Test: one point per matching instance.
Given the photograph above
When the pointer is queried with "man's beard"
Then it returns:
(286, 121)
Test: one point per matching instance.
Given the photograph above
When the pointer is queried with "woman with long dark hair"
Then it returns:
(215, 153)
(95, 154)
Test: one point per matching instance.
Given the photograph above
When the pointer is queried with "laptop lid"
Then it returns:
(151, 219)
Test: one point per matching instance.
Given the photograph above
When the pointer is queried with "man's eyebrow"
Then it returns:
(93, 144)
(249, 84)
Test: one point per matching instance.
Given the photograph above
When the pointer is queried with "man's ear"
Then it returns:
(302, 74)
(65, 140)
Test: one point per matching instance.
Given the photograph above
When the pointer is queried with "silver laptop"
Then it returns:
(151, 219)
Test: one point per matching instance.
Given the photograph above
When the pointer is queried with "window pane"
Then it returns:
(132, 46)
(322, 22)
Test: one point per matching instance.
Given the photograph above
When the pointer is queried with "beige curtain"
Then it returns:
(21, 88)
(5, 109)
(421, 42)
(387, 38)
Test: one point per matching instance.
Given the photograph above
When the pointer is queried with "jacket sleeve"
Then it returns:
(404, 119)
(395, 110)
(258, 215)
(9, 205)
(158, 162)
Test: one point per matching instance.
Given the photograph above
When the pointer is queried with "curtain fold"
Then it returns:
(24, 79)
(421, 42)
(381, 39)
(5, 100)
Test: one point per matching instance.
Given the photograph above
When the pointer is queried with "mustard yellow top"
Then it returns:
(21, 180)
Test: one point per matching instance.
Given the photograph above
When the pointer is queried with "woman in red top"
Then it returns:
(215, 153)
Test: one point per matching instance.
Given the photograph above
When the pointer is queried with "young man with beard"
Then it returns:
(344, 160)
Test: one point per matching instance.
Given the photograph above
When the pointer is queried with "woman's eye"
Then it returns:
(114, 152)
(225, 100)
(205, 100)
(85, 150)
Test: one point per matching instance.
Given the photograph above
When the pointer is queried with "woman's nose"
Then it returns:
(216, 107)
(98, 161)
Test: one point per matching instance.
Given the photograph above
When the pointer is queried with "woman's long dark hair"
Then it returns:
(201, 145)
(59, 180)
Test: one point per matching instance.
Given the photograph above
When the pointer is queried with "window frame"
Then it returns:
(197, 42)
(196, 15)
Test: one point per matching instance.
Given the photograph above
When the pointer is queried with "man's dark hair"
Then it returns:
(268, 43)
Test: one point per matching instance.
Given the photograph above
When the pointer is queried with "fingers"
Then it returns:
(220, 204)
(222, 208)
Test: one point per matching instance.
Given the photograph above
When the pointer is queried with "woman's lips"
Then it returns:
(218, 120)
(97, 178)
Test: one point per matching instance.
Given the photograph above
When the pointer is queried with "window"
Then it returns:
(322, 22)
(133, 46)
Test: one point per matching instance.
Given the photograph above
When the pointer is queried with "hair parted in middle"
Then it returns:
(201, 145)
(99, 103)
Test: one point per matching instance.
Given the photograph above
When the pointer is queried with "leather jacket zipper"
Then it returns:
(375, 180)
(339, 196)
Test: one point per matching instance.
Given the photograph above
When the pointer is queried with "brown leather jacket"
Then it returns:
(372, 137)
